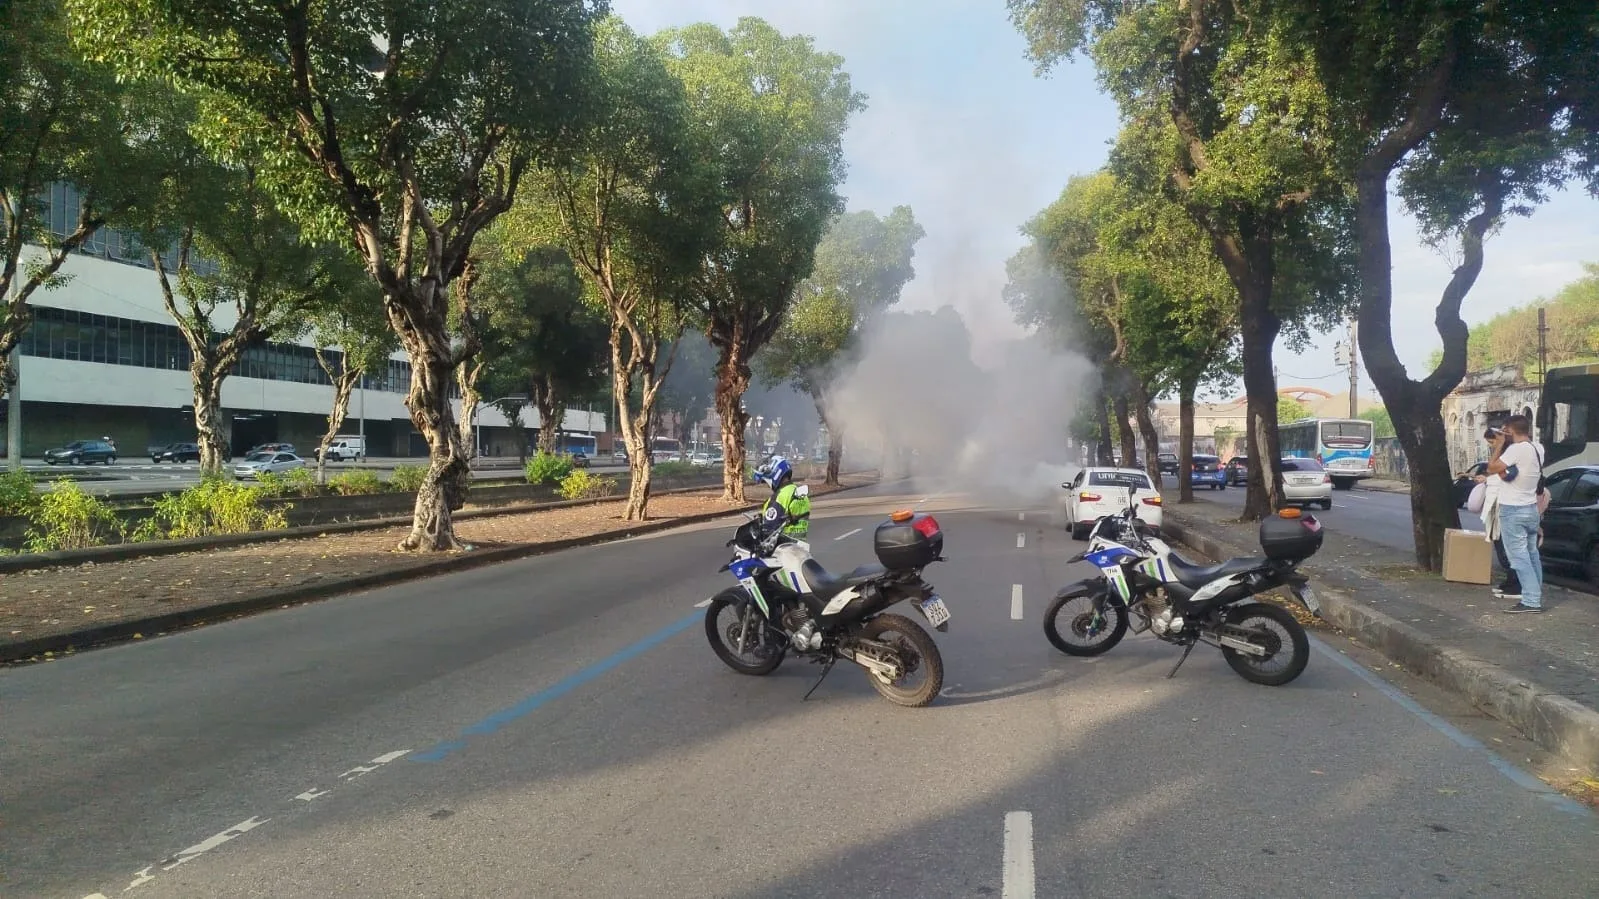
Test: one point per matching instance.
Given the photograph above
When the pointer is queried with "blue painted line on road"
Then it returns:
(1516, 776)
(532, 703)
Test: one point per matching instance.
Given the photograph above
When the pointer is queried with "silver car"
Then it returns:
(275, 463)
(1306, 482)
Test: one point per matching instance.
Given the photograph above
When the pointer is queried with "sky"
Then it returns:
(958, 127)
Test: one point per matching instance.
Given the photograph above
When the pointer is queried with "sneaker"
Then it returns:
(1518, 607)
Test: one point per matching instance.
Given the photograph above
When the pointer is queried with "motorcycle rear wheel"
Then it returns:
(751, 663)
(1276, 621)
(921, 652)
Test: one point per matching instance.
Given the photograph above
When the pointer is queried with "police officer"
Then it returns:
(788, 501)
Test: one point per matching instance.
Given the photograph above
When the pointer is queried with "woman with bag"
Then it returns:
(1484, 502)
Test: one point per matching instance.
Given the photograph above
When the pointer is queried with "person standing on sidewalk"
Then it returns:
(1519, 464)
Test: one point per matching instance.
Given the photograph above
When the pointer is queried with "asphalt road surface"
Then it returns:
(558, 727)
(1376, 515)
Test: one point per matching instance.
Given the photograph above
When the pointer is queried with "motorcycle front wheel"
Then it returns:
(731, 613)
(1274, 628)
(923, 677)
(1070, 625)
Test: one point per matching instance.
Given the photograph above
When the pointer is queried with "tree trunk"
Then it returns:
(1415, 406)
(552, 414)
(1146, 429)
(1259, 325)
(1185, 440)
(343, 385)
(732, 379)
(466, 377)
(835, 440)
(1124, 428)
(426, 340)
(207, 380)
(635, 434)
(1103, 451)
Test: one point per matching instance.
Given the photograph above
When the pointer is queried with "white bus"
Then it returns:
(1341, 445)
(1568, 417)
(665, 449)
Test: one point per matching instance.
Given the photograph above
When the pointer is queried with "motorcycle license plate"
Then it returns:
(934, 610)
(1308, 597)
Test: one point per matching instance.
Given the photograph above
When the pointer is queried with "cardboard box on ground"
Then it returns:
(1468, 557)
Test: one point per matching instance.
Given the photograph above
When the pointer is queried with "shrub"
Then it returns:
(407, 478)
(356, 483)
(66, 517)
(580, 484)
(676, 470)
(297, 482)
(547, 469)
(214, 506)
(17, 496)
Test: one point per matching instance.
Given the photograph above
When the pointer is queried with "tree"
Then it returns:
(404, 125)
(231, 249)
(1475, 110)
(770, 112)
(631, 210)
(1290, 410)
(1253, 165)
(1381, 425)
(63, 122)
(350, 318)
(862, 265)
(1511, 337)
(539, 337)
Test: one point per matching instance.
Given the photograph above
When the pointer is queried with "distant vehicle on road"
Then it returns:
(703, 460)
(665, 449)
(176, 452)
(1305, 481)
(82, 452)
(270, 448)
(345, 446)
(1208, 472)
(1168, 463)
(579, 459)
(1341, 445)
(1099, 492)
(1238, 471)
(255, 464)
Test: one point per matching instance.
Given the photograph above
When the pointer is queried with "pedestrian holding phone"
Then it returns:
(1518, 462)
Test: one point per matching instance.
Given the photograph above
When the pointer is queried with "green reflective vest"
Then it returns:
(796, 506)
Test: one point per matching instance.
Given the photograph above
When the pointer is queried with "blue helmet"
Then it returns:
(775, 471)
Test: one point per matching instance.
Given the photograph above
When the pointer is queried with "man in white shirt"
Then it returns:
(1519, 465)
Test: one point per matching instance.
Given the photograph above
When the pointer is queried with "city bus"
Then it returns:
(1568, 417)
(587, 444)
(665, 449)
(1341, 445)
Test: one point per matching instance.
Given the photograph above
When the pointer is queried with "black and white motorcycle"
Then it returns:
(1142, 581)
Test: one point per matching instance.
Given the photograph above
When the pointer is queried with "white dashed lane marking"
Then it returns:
(847, 534)
(1021, 541)
(1016, 602)
(1018, 881)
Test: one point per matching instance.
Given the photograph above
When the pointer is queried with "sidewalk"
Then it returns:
(1539, 673)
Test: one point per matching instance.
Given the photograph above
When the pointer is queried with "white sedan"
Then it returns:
(274, 463)
(1097, 492)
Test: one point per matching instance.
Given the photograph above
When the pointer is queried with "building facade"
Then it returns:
(104, 359)
(1484, 400)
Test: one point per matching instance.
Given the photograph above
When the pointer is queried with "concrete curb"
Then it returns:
(91, 637)
(1553, 721)
(122, 552)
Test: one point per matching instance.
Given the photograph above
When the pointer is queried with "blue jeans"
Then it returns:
(1518, 526)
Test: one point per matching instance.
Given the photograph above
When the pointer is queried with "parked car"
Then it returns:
(1305, 481)
(82, 452)
(1168, 463)
(176, 452)
(1571, 525)
(1238, 471)
(1208, 471)
(1097, 492)
(275, 463)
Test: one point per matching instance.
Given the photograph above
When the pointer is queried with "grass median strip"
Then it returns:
(43, 612)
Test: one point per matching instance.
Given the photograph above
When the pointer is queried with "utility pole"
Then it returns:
(14, 391)
(1354, 372)
(1543, 348)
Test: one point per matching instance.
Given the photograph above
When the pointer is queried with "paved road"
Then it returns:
(1376, 515)
(558, 727)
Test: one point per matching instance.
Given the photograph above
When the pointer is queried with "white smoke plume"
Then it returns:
(999, 431)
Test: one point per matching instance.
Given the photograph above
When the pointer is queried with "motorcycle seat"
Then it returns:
(825, 586)
(1195, 576)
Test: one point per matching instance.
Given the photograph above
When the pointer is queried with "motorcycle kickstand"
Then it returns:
(1186, 650)
(826, 669)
